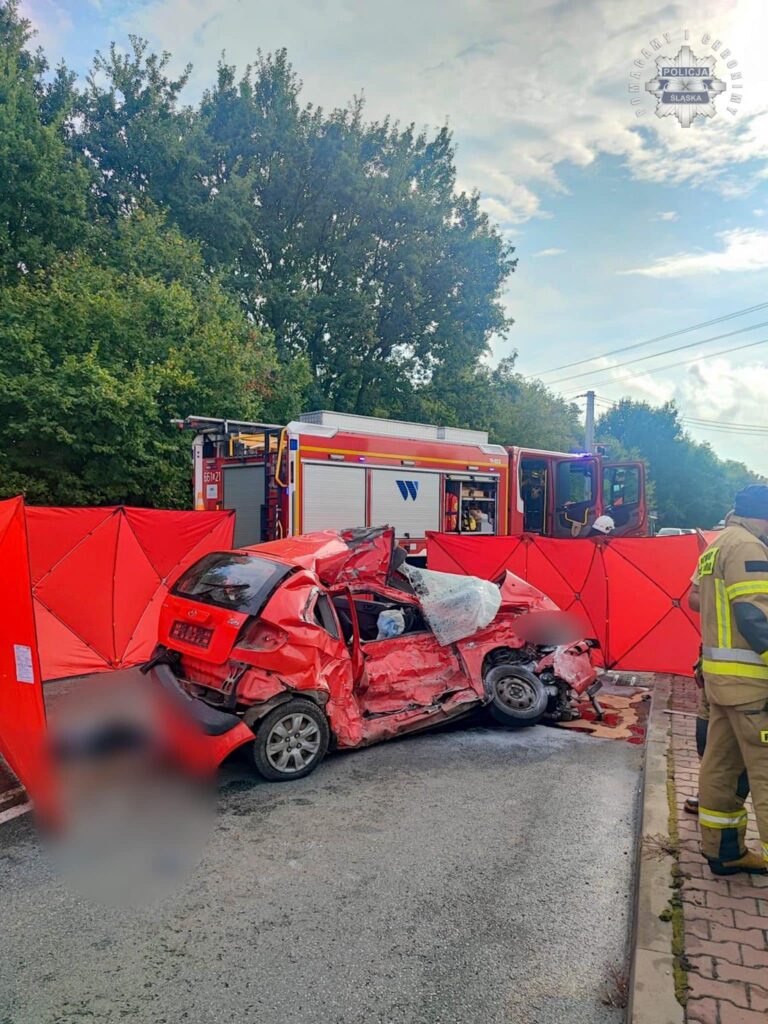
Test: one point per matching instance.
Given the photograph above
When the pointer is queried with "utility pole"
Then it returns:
(589, 426)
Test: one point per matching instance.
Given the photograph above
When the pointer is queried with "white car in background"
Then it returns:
(673, 531)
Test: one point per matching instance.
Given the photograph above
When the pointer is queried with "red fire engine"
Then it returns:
(330, 470)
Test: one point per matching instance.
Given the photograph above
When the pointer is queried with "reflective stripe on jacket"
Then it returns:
(734, 570)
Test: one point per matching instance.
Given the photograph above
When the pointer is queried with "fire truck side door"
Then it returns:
(623, 491)
(575, 496)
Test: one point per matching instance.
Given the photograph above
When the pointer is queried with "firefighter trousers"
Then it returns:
(737, 739)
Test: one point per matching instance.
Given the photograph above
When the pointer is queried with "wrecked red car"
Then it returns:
(332, 639)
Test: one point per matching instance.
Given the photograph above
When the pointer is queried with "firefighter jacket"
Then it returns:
(733, 592)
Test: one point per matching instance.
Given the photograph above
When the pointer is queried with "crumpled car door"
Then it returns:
(407, 671)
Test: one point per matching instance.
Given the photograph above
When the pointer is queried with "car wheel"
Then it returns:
(291, 741)
(519, 698)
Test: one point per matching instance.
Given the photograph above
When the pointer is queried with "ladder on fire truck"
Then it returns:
(249, 440)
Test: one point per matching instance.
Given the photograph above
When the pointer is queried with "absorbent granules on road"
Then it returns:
(625, 716)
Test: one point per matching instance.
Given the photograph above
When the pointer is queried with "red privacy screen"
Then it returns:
(99, 576)
(629, 592)
(22, 714)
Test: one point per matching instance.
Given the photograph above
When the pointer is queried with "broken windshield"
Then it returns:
(454, 606)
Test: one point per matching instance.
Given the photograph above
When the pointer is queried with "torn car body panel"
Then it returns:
(335, 618)
(363, 555)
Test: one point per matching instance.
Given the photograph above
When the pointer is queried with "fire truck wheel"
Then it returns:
(519, 697)
(291, 741)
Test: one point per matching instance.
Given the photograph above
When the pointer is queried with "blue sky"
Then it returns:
(626, 228)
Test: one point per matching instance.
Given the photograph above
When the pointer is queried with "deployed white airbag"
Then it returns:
(454, 606)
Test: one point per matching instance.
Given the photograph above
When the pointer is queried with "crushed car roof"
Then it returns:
(364, 555)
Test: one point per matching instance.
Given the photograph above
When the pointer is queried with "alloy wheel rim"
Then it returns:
(293, 743)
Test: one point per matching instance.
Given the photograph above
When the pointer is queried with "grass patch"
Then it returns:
(674, 910)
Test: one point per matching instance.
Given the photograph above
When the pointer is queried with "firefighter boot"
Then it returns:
(749, 863)
(691, 805)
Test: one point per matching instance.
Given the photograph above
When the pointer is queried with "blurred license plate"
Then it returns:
(191, 634)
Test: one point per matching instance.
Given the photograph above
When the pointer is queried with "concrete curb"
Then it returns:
(652, 979)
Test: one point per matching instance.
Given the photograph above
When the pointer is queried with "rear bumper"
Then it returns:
(211, 721)
(200, 735)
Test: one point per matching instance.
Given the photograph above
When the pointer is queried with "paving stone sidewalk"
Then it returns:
(726, 919)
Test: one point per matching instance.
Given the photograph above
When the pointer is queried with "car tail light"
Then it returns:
(260, 636)
(191, 634)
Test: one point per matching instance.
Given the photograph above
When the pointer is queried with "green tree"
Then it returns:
(345, 238)
(513, 409)
(43, 196)
(133, 131)
(98, 354)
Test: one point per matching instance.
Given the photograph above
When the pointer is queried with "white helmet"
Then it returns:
(604, 524)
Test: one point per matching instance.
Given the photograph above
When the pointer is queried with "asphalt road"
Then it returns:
(471, 875)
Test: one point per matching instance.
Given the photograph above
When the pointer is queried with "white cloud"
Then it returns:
(643, 387)
(549, 252)
(718, 389)
(668, 215)
(51, 22)
(743, 249)
(525, 88)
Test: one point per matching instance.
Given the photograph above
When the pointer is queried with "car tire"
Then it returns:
(518, 697)
(291, 741)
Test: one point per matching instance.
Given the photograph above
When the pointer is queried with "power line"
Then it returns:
(683, 362)
(734, 431)
(654, 355)
(651, 341)
(700, 423)
(698, 420)
(727, 423)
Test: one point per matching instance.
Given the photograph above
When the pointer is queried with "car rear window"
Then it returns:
(243, 583)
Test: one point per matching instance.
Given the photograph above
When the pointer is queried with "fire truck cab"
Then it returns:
(330, 470)
(556, 494)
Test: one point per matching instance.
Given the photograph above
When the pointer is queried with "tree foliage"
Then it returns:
(97, 354)
(43, 191)
(111, 321)
(692, 486)
(346, 239)
(513, 409)
(249, 256)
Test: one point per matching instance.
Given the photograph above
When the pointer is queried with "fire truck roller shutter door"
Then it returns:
(406, 499)
(333, 496)
(244, 492)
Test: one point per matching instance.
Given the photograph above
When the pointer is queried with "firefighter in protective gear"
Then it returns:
(733, 594)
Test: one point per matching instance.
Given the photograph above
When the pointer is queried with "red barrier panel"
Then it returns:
(22, 712)
(99, 576)
(630, 592)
